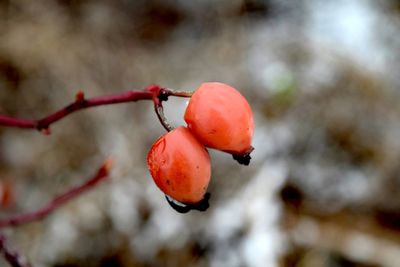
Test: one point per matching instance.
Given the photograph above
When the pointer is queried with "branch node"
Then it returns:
(163, 94)
(154, 89)
(80, 97)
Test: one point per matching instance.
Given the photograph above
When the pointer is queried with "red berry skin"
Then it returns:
(180, 166)
(221, 118)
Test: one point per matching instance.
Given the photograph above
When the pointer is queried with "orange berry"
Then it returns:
(180, 166)
(221, 118)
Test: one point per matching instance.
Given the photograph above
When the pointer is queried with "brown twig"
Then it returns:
(60, 200)
(10, 255)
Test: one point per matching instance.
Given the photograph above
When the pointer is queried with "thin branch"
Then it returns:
(80, 103)
(152, 92)
(60, 200)
(10, 255)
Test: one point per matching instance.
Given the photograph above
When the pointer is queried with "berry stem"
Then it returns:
(158, 108)
(60, 200)
(180, 93)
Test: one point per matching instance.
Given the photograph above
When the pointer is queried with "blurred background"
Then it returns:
(322, 77)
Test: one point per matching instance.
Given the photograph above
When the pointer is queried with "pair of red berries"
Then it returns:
(218, 117)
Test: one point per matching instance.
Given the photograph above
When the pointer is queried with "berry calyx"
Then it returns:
(221, 118)
(202, 205)
(180, 166)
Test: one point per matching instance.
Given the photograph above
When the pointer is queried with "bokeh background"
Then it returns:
(322, 77)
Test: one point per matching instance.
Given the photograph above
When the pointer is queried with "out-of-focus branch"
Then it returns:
(16, 220)
(10, 255)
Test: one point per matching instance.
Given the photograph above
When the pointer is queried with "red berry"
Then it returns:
(221, 118)
(180, 166)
